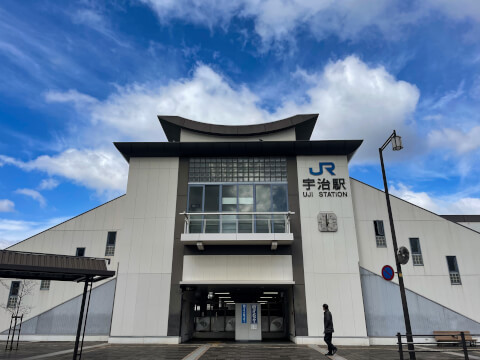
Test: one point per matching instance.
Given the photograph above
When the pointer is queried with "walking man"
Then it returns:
(328, 326)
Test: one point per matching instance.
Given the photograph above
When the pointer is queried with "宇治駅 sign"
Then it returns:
(326, 186)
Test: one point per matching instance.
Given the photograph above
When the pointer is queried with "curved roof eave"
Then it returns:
(303, 125)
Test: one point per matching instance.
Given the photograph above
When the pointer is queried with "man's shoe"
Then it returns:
(328, 354)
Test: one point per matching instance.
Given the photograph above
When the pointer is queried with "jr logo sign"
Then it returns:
(329, 166)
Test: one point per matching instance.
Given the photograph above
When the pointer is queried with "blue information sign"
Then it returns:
(387, 272)
(244, 313)
(254, 314)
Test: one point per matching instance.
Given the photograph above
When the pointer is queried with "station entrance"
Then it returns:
(237, 312)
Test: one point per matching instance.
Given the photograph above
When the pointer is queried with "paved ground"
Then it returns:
(220, 350)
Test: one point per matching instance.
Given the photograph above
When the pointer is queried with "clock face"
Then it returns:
(327, 222)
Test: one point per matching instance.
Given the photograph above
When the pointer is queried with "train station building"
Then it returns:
(243, 232)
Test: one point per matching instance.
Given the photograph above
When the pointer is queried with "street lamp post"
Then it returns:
(397, 145)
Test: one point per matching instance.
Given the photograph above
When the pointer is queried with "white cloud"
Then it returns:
(35, 195)
(94, 19)
(279, 20)
(356, 101)
(102, 170)
(453, 204)
(6, 205)
(72, 96)
(48, 184)
(458, 140)
(13, 231)
(131, 112)
(421, 199)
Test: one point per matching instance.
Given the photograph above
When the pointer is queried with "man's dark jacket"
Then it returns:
(327, 321)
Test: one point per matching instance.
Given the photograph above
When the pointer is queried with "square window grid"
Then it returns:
(12, 302)
(244, 169)
(417, 259)
(45, 285)
(110, 250)
(381, 242)
(455, 279)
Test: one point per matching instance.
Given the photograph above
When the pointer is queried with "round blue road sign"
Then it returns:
(388, 273)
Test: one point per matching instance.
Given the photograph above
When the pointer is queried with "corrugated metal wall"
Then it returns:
(63, 319)
(384, 316)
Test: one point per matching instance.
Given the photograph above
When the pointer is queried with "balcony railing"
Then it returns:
(237, 222)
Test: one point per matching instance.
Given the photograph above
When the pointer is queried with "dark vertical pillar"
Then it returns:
(300, 303)
(175, 306)
(80, 320)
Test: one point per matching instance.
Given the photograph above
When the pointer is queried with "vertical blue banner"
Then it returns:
(244, 313)
(254, 314)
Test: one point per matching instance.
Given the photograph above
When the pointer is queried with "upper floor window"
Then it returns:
(80, 251)
(13, 295)
(45, 285)
(111, 240)
(416, 251)
(453, 270)
(237, 208)
(242, 169)
(379, 233)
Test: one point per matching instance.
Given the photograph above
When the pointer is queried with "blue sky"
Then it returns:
(77, 76)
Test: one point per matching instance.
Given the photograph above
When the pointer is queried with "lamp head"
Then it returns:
(397, 143)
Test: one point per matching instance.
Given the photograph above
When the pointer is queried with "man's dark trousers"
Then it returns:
(328, 340)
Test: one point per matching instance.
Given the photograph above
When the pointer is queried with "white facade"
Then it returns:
(155, 261)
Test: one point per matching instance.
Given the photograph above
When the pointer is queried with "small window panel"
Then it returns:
(13, 295)
(111, 241)
(45, 285)
(80, 252)
(417, 257)
(453, 270)
(379, 233)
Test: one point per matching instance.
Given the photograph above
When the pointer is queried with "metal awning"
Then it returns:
(37, 266)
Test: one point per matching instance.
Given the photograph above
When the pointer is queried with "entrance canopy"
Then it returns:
(37, 266)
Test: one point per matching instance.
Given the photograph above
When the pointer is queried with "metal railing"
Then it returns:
(237, 222)
(426, 347)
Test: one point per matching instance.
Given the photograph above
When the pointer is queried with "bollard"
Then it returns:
(400, 348)
(464, 345)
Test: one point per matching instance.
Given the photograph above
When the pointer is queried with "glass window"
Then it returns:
(264, 169)
(45, 285)
(279, 197)
(80, 252)
(229, 198)
(195, 199)
(416, 251)
(212, 196)
(263, 203)
(111, 240)
(263, 198)
(237, 198)
(453, 270)
(229, 204)
(212, 204)
(379, 233)
(13, 295)
(245, 204)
